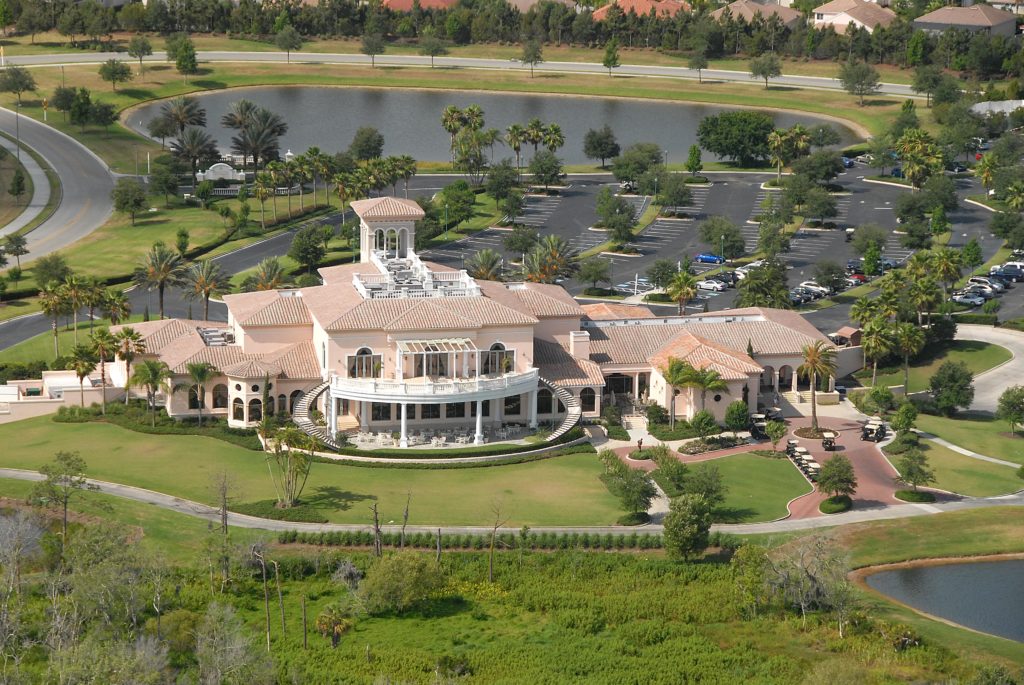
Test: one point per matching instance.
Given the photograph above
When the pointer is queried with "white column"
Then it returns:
(332, 427)
(404, 438)
(364, 415)
(636, 386)
(831, 383)
(794, 380)
(532, 399)
(478, 439)
(775, 385)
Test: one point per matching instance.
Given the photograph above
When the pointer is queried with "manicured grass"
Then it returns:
(40, 347)
(984, 436)
(759, 487)
(12, 207)
(979, 356)
(967, 476)
(562, 490)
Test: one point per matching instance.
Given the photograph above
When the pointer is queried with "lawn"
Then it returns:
(40, 347)
(563, 490)
(984, 436)
(758, 487)
(12, 207)
(964, 475)
(979, 356)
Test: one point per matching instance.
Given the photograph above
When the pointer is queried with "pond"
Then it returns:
(411, 119)
(983, 595)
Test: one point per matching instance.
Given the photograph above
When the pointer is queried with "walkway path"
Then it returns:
(990, 384)
(966, 452)
(40, 188)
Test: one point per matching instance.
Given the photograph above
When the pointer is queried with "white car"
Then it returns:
(811, 285)
(709, 284)
(990, 282)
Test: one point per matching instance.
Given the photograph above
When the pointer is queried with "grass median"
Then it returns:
(976, 433)
(978, 356)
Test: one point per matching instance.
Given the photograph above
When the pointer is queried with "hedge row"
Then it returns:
(584, 448)
(979, 319)
(268, 509)
(543, 541)
(474, 451)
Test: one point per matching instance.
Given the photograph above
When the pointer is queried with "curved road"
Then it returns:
(990, 384)
(462, 62)
(86, 184)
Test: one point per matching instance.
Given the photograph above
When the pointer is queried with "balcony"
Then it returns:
(431, 389)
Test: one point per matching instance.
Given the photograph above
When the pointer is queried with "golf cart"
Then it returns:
(828, 441)
(873, 431)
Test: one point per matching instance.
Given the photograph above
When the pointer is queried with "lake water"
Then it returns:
(411, 119)
(985, 596)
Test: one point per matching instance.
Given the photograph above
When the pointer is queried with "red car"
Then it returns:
(860, 278)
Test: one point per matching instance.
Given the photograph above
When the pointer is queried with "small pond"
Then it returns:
(411, 119)
(983, 595)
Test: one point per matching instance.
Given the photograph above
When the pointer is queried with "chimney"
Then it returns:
(579, 344)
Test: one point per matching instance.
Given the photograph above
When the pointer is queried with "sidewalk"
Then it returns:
(41, 188)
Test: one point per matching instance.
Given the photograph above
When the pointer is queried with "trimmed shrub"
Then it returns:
(835, 505)
(915, 496)
(978, 319)
(268, 509)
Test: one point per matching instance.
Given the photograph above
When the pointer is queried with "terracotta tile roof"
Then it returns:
(282, 311)
(605, 311)
(747, 9)
(384, 208)
(560, 368)
(218, 356)
(533, 299)
(297, 361)
(702, 353)
(342, 273)
(159, 334)
(975, 15)
(251, 368)
(644, 7)
(411, 314)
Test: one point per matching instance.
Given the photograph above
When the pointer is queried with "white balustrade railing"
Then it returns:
(379, 386)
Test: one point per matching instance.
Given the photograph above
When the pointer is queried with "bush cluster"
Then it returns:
(903, 442)
(504, 541)
(268, 509)
(520, 458)
(472, 451)
(836, 505)
(720, 442)
(17, 371)
(979, 319)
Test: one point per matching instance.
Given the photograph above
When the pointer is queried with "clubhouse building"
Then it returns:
(394, 344)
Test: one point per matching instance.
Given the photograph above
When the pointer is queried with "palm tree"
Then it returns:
(406, 170)
(205, 279)
(515, 136)
(129, 345)
(299, 170)
(923, 294)
(864, 310)
(74, 292)
(708, 379)
(799, 139)
(946, 265)
(281, 173)
(200, 374)
(553, 137)
(182, 112)
(877, 345)
(195, 145)
(677, 375)
(269, 275)
(151, 375)
(161, 268)
(239, 117)
(682, 288)
(919, 264)
(551, 259)
(908, 340)
(819, 362)
(115, 306)
(1014, 196)
(262, 190)
(777, 146)
(452, 120)
(473, 117)
(82, 362)
(985, 170)
(535, 133)
(319, 167)
(485, 265)
(93, 297)
(104, 346)
(54, 303)
(920, 156)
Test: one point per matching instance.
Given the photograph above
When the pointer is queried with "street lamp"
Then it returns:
(17, 128)
(446, 221)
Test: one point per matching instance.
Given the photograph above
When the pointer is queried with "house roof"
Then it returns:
(975, 15)
(836, 6)
(540, 300)
(268, 308)
(385, 208)
(607, 311)
(449, 313)
(749, 9)
(643, 8)
(702, 353)
(252, 368)
(158, 335)
(871, 15)
(560, 368)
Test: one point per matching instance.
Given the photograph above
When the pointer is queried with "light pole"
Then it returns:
(17, 128)
(446, 221)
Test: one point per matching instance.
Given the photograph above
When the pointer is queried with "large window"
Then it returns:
(255, 410)
(431, 363)
(544, 401)
(497, 360)
(220, 396)
(293, 400)
(282, 404)
(196, 400)
(238, 409)
(365, 364)
(455, 410)
(380, 411)
(430, 411)
(487, 408)
(513, 405)
(588, 399)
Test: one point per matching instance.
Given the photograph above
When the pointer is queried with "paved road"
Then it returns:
(989, 385)
(709, 76)
(40, 188)
(86, 184)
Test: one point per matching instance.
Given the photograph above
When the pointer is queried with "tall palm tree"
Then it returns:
(919, 264)
(920, 156)
(205, 279)
(535, 133)
(115, 306)
(151, 375)
(299, 168)
(490, 138)
(863, 310)
(269, 274)
(104, 346)
(799, 139)
(922, 294)
(682, 288)
(777, 146)
(677, 374)
(515, 136)
(553, 137)
(406, 170)
(343, 186)
(74, 290)
(193, 146)
(239, 117)
(707, 379)
(129, 345)
(93, 297)
(281, 174)
(1014, 196)
(161, 268)
(452, 120)
(82, 362)
(263, 135)
(908, 340)
(319, 166)
(946, 265)
(473, 117)
(819, 362)
(182, 112)
(262, 190)
(485, 265)
(877, 344)
(200, 374)
(985, 170)
(54, 303)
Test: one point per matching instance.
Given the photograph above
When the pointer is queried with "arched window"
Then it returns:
(255, 410)
(495, 359)
(282, 403)
(588, 399)
(238, 409)
(292, 399)
(544, 401)
(196, 400)
(220, 396)
(364, 364)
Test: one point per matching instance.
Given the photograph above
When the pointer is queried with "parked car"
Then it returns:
(889, 263)
(728, 277)
(969, 299)
(812, 285)
(1012, 273)
(724, 281)
(797, 299)
(852, 282)
(847, 162)
(711, 284)
(1004, 281)
(984, 280)
(708, 258)
(858, 277)
(896, 173)
(808, 293)
(956, 167)
(627, 187)
(980, 290)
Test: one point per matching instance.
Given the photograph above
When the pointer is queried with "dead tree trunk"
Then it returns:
(280, 598)
(405, 520)
(377, 550)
